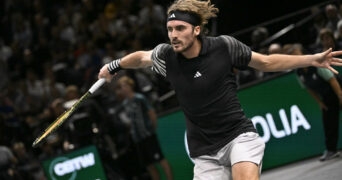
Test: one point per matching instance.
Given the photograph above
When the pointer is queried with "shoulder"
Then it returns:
(159, 55)
(227, 39)
(162, 48)
(232, 43)
(161, 51)
(219, 40)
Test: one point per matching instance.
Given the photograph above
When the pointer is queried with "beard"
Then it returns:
(183, 48)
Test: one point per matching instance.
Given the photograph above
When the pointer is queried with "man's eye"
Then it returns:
(180, 28)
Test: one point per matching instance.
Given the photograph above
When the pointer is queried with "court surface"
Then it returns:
(309, 169)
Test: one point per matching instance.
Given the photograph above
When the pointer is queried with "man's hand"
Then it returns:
(104, 73)
(327, 59)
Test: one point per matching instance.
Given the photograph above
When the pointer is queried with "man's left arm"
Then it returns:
(283, 62)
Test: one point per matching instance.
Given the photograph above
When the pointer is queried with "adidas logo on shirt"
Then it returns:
(197, 75)
(172, 16)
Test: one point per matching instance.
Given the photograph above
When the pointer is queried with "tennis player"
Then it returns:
(222, 141)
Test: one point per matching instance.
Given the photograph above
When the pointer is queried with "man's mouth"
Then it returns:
(176, 43)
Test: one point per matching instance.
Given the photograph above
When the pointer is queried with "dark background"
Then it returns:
(239, 14)
(238, 17)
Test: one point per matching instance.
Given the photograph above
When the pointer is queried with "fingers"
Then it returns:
(108, 77)
(336, 53)
(105, 74)
(332, 70)
(334, 63)
(327, 51)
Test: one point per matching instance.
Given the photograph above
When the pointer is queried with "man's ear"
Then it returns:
(197, 30)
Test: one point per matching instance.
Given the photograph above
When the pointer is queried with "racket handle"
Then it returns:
(96, 85)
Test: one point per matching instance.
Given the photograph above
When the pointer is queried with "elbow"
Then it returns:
(262, 65)
(261, 62)
(144, 59)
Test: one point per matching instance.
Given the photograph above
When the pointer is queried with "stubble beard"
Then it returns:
(186, 48)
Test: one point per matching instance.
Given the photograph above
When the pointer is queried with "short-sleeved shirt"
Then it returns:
(206, 89)
(136, 110)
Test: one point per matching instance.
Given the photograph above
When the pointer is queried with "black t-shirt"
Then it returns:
(206, 89)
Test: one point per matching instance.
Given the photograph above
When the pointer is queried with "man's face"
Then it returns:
(182, 35)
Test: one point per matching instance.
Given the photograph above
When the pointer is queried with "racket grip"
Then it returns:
(96, 85)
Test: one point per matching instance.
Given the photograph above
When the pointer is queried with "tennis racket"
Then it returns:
(59, 121)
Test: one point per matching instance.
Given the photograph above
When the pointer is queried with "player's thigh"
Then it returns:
(246, 156)
(207, 168)
(247, 147)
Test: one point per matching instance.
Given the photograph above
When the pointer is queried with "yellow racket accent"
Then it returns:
(59, 121)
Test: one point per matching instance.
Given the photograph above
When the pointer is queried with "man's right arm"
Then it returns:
(135, 60)
(138, 59)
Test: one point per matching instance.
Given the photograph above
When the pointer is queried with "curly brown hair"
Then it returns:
(204, 9)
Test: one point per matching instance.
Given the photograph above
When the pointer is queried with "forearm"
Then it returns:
(280, 62)
(138, 59)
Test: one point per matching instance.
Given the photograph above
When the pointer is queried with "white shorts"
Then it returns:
(246, 147)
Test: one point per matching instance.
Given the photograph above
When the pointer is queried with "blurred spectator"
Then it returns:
(274, 48)
(28, 166)
(328, 40)
(10, 116)
(15, 63)
(84, 122)
(40, 121)
(152, 24)
(143, 122)
(258, 36)
(21, 28)
(325, 89)
(7, 164)
(124, 29)
(52, 88)
(333, 16)
(338, 34)
(4, 79)
(49, 148)
(5, 51)
(41, 53)
(319, 22)
(40, 28)
(34, 91)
